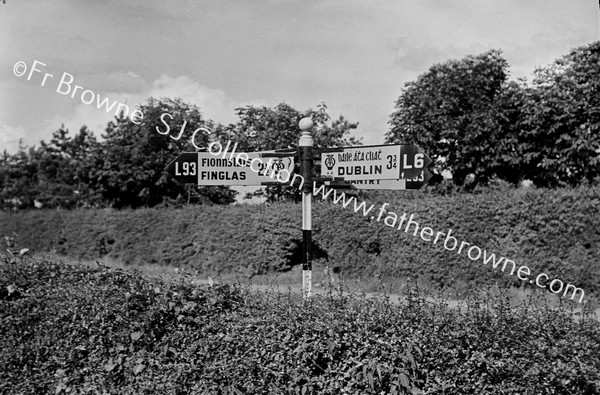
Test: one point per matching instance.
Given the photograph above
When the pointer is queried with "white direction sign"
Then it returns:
(377, 162)
(404, 184)
(203, 168)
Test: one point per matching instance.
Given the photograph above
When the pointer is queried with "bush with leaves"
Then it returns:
(551, 231)
(74, 329)
(473, 121)
(560, 125)
(451, 112)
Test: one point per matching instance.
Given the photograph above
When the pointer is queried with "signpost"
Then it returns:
(396, 167)
(203, 168)
(306, 162)
(376, 162)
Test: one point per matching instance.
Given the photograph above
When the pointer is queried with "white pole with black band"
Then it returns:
(306, 161)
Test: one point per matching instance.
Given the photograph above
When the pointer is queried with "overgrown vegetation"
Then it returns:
(73, 329)
(556, 232)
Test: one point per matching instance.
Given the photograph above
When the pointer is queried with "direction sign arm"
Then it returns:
(276, 154)
(320, 151)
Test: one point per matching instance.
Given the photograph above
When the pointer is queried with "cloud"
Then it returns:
(302, 53)
(419, 59)
(540, 51)
(214, 104)
(84, 114)
(115, 81)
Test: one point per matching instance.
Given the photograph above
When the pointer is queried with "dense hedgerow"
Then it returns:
(556, 232)
(71, 329)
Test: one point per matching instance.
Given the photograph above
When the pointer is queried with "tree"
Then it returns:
(127, 169)
(61, 168)
(48, 175)
(507, 162)
(264, 128)
(560, 126)
(17, 177)
(451, 111)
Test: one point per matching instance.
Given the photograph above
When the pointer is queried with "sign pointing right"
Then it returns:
(415, 183)
(376, 162)
(413, 160)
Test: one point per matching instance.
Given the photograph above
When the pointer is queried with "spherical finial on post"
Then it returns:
(305, 123)
(306, 138)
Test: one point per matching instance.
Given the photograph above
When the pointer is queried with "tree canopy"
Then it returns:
(128, 168)
(451, 113)
(264, 128)
(560, 124)
(473, 121)
(125, 167)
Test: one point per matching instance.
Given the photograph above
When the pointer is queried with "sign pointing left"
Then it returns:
(203, 168)
(184, 168)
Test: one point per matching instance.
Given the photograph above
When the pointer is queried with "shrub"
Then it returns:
(73, 329)
(551, 231)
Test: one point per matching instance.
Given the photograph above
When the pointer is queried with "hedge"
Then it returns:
(556, 232)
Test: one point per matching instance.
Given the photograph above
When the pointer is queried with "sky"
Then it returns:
(353, 55)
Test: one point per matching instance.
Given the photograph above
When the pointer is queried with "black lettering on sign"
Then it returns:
(223, 175)
(262, 167)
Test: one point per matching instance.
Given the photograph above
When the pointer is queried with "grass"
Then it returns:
(325, 281)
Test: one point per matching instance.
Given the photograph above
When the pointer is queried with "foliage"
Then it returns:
(124, 169)
(489, 346)
(473, 121)
(450, 112)
(551, 231)
(264, 128)
(72, 329)
(128, 168)
(50, 175)
(561, 121)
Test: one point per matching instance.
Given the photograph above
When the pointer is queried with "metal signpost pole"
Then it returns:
(306, 161)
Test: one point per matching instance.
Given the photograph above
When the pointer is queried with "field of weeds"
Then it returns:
(75, 329)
